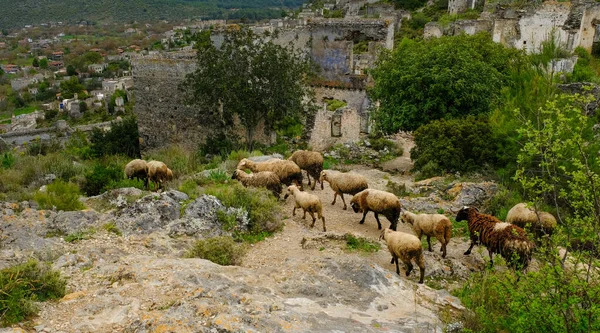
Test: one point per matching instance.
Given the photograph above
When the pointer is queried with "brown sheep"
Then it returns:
(340, 183)
(541, 223)
(380, 202)
(137, 169)
(312, 162)
(308, 202)
(287, 171)
(266, 179)
(406, 247)
(506, 239)
(158, 173)
(436, 225)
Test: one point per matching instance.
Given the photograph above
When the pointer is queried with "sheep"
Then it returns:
(287, 171)
(266, 179)
(137, 169)
(406, 247)
(158, 173)
(380, 202)
(506, 239)
(308, 202)
(312, 162)
(436, 225)
(542, 223)
(340, 183)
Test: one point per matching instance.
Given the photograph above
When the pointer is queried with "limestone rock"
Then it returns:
(150, 213)
(71, 222)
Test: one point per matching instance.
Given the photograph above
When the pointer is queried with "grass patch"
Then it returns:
(252, 238)
(80, 235)
(262, 207)
(23, 284)
(64, 196)
(354, 243)
(220, 250)
(459, 229)
(112, 227)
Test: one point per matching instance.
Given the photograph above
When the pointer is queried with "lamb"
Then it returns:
(506, 239)
(541, 223)
(312, 162)
(308, 202)
(287, 171)
(137, 169)
(159, 173)
(380, 202)
(340, 183)
(266, 179)
(436, 225)
(406, 247)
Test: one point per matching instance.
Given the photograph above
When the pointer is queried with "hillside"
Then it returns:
(20, 13)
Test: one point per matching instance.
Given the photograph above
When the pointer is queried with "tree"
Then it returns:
(447, 77)
(70, 87)
(36, 62)
(249, 77)
(44, 63)
(71, 70)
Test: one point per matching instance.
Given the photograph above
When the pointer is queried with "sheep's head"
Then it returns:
(384, 232)
(290, 191)
(243, 164)
(323, 176)
(169, 174)
(463, 213)
(404, 217)
(355, 206)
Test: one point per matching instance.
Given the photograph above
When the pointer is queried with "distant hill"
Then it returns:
(16, 14)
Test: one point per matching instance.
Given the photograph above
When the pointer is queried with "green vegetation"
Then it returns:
(105, 11)
(444, 146)
(112, 228)
(334, 104)
(59, 194)
(80, 235)
(220, 250)
(354, 243)
(421, 81)
(276, 97)
(122, 138)
(22, 285)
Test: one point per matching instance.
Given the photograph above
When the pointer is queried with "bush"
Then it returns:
(361, 244)
(39, 147)
(62, 195)
(101, 176)
(7, 160)
(219, 144)
(453, 145)
(123, 138)
(23, 284)
(220, 250)
(262, 207)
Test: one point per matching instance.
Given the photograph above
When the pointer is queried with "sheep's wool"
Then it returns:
(501, 226)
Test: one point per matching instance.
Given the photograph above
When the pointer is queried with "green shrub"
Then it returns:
(453, 145)
(23, 284)
(62, 195)
(220, 250)
(80, 235)
(39, 147)
(220, 144)
(361, 244)
(78, 145)
(334, 104)
(123, 138)
(101, 175)
(112, 227)
(190, 187)
(263, 209)
(7, 160)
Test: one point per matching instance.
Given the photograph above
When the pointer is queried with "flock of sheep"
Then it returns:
(507, 239)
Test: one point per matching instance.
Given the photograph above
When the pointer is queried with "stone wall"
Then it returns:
(60, 131)
(343, 125)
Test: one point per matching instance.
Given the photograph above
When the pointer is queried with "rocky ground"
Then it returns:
(299, 280)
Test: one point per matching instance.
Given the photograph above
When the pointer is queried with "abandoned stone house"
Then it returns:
(342, 48)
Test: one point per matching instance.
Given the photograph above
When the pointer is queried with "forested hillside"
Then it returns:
(16, 14)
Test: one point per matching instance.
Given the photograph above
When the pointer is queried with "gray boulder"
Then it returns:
(71, 222)
(151, 213)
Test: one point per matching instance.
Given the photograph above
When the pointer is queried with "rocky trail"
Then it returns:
(299, 280)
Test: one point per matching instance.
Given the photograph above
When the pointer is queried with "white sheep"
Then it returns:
(159, 173)
(287, 171)
(436, 225)
(311, 161)
(379, 202)
(137, 169)
(406, 247)
(266, 179)
(542, 223)
(340, 183)
(308, 202)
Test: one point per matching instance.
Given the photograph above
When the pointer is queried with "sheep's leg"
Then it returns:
(421, 264)
(363, 218)
(323, 218)
(308, 176)
(409, 268)
(294, 211)
(491, 253)
(443, 250)
(391, 262)
(334, 197)
(397, 266)
(470, 247)
(314, 219)
(429, 243)
(378, 223)
(304, 216)
(344, 201)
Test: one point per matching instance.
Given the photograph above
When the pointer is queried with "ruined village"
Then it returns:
(435, 170)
